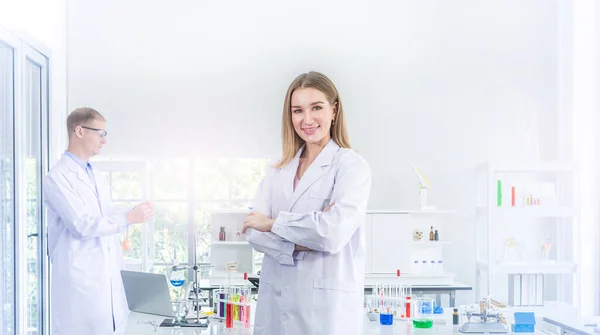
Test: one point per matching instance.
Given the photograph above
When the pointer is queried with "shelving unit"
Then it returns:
(234, 249)
(518, 207)
(390, 246)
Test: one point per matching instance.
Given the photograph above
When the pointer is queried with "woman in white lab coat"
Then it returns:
(308, 219)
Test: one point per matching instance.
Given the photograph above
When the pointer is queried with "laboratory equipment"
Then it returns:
(455, 317)
(180, 310)
(222, 234)
(395, 298)
(233, 304)
(423, 311)
(524, 322)
(126, 244)
(546, 243)
(423, 186)
(440, 267)
(177, 279)
(484, 321)
(422, 323)
(177, 276)
(416, 267)
(386, 318)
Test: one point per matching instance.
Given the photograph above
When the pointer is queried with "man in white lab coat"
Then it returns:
(86, 290)
(308, 220)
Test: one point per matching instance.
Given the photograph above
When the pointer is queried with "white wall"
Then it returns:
(586, 139)
(442, 85)
(42, 24)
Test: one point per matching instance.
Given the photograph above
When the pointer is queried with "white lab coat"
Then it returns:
(85, 282)
(317, 292)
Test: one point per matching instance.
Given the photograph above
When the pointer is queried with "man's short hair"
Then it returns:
(82, 116)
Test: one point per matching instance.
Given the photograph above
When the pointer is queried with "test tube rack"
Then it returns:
(233, 305)
(395, 299)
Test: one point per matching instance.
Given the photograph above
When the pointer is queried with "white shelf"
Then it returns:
(230, 243)
(531, 211)
(426, 244)
(558, 204)
(534, 167)
(410, 211)
(550, 308)
(406, 278)
(530, 268)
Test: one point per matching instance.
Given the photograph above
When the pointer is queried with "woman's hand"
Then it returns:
(257, 221)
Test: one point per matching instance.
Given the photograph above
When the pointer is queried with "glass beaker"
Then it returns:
(177, 279)
(180, 310)
(423, 307)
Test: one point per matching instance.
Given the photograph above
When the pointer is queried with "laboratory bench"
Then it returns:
(437, 290)
(369, 285)
(576, 325)
(137, 324)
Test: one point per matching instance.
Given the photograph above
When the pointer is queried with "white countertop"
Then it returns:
(577, 325)
(135, 326)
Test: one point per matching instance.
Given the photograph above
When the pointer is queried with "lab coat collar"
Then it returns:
(77, 170)
(314, 172)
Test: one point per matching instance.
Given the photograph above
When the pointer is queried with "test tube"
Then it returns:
(247, 316)
(229, 312)
(245, 307)
(236, 307)
(222, 298)
(242, 307)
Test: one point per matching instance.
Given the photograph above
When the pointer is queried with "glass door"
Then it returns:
(34, 166)
(7, 189)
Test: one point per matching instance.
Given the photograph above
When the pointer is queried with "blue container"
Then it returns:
(524, 322)
(386, 319)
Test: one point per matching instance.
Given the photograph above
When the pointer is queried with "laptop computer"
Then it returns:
(147, 292)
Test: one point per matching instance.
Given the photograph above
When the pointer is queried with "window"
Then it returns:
(7, 191)
(184, 192)
(24, 118)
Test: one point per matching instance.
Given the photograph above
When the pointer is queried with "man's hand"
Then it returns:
(258, 221)
(140, 213)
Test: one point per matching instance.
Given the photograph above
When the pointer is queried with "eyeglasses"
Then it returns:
(102, 132)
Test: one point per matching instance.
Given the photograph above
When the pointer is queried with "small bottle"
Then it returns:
(455, 317)
(436, 235)
(423, 196)
(222, 234)
(416, 268)
(431, 234)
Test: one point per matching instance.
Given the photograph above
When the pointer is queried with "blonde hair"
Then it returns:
(80, 117)
(291, 141)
